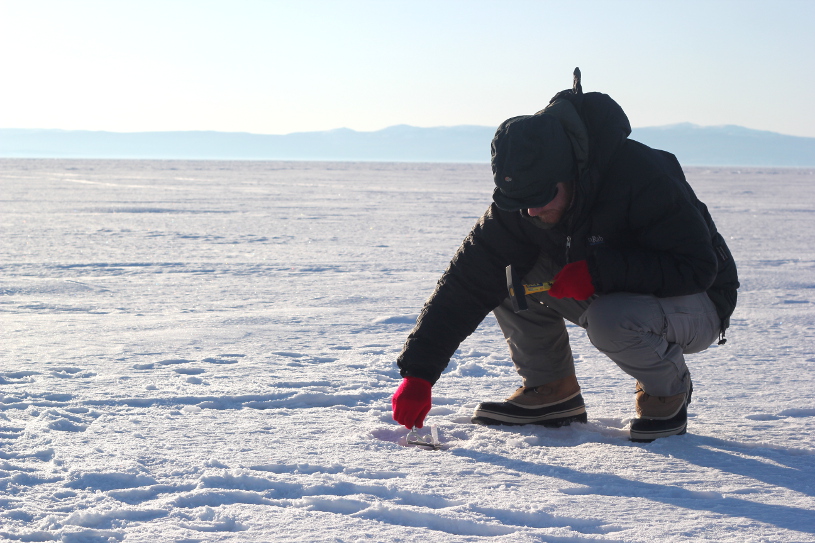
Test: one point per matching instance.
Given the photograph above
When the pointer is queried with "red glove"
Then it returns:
(411, 402)
(573, 281)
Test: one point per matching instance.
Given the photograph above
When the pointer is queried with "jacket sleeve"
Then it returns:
(473, 285)
(672, 253)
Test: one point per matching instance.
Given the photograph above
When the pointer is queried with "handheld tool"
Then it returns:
(518, 291)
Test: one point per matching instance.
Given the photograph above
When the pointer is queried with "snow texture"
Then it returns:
(205, 351)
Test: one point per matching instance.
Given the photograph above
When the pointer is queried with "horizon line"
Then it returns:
(671, 125)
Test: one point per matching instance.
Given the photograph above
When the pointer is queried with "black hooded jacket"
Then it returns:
(634, 218)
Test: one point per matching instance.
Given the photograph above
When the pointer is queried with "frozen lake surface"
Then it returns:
(205, 351)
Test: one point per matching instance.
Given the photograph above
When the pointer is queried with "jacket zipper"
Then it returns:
(572, 218)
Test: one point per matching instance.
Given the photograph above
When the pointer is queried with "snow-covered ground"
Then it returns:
(204, 351)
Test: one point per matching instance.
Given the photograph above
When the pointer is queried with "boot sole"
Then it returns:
(496, 419)
(643, 436)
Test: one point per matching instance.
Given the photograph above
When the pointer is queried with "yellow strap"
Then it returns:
(539, 287)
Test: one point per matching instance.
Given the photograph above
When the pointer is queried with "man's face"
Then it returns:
(552, 212)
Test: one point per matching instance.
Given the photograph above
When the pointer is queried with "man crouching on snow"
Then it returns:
(634, 258)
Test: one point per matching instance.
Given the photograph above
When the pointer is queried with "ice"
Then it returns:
(205, 351)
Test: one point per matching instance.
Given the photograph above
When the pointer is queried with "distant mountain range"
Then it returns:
(694, 145)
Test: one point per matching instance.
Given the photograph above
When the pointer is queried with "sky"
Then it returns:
(277, 67)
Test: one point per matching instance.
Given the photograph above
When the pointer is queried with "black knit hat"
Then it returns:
(531, 154)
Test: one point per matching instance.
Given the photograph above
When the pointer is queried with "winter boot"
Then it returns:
(554, 404)
(660, 416)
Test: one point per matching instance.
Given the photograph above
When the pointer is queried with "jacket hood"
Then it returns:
(532, 153)
(597, 127)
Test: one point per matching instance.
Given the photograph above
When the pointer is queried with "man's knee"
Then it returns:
(614, 321)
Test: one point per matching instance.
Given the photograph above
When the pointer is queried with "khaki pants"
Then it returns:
(646, 336)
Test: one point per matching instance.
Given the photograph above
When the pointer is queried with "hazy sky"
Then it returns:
(277, 67)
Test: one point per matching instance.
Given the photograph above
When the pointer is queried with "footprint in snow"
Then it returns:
(762, 417)
(797, 412)
(791, 413)
(226, 358)
(300, 359)
(173, 361)
(18, 376)
(288, 354)
(71, 373)
(76, 419)
(189, 371)
(9, 430)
